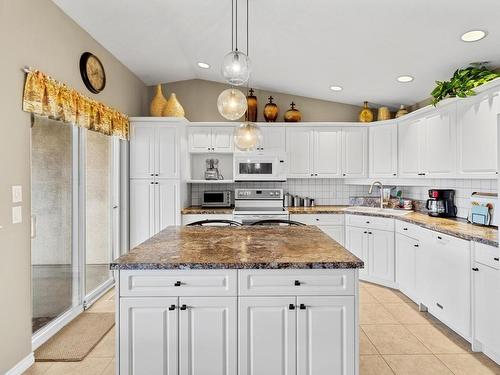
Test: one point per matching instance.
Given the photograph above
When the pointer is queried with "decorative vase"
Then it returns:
(158, 102)
(271, 111)
(366, 114)
(173, 108)
(383, 114)
(292, 115)
(251, 113)
(402, 111)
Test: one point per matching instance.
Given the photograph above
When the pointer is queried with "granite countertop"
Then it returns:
(318, 210)
(198, 210)
(238, 248)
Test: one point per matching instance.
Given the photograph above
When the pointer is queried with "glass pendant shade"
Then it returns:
(247, 136)
(236, 68)
(232, 104)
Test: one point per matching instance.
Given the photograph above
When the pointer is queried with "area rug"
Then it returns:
(75, 341)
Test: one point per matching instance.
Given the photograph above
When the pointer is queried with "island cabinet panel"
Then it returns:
(267, 335)
(152, 283)
(207, 335)
(381, 255)
(297, 282)
(356, 241)
(406, 259)
(148, 336)
(325, 335)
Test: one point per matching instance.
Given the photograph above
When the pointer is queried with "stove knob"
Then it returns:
(271, 193)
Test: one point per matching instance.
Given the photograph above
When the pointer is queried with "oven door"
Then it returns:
(259, 168)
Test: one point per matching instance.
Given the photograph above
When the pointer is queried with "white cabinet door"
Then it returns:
(148, 336)
(325, 336)
(334, 231)
(267, 336)
(142, 211)
(439, 148)
(355, 152)
(222, 139)
(356, 241)
(410, 140)
(207, 335)
(381, 255)
(477, 135)
(142, 151)
(299, 148)
(486, 307)
(200, 138)
(327, 151)
(167, 204)
(383, 151)
(167, 152)
(406, 249)
(273, 140)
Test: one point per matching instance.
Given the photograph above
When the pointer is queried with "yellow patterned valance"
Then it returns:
(47, 97)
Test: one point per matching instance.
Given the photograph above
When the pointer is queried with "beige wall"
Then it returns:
(38, 34)
(199, 99)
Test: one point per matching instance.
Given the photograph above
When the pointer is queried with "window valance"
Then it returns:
(47, 97)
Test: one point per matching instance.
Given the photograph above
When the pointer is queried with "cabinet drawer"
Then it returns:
(372, 222)
(296, 282)
(319, 219)
(152, 283)
(487, 255)
(409, 230)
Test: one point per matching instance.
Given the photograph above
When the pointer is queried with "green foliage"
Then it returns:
(463, 82)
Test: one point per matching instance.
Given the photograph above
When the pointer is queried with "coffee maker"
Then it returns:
(441, 203)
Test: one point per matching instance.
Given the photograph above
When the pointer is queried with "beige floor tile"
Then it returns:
(375, 314)
(416, 365)
(106, 347)
(366, 297)
(373, 365)
(470, 364)
(407, 314)
(38, 368)
(89, 366)
(110, 369)
(102, 305)
(394, 339)
(365, 346)
(438, 340)
(386, 295)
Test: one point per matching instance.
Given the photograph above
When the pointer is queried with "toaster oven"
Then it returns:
(222, 198)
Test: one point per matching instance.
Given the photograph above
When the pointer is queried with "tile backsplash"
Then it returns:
(337, 191)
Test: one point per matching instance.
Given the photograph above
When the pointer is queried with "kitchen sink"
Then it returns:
(378, 210)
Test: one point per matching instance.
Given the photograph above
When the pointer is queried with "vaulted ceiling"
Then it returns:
(296, 46)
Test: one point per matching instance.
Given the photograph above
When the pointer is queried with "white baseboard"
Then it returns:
(22, 366)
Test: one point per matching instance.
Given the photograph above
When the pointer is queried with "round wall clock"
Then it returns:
(92, 72)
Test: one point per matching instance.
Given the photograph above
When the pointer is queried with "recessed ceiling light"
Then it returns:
(203, 65)
(336, 88)
(405, 79)
(473, 35)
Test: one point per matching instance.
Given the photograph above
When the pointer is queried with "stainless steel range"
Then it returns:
(251, 205)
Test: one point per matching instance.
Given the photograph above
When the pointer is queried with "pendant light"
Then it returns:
(232, 104)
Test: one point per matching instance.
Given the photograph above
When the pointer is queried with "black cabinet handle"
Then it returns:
(440, 238)
(297, 283)
(152, 174)
(370, 233)
(183, 307)
(208, 148)
(172, 307)
(317, 219)
(156, 183)
(291, 306)
(475, 269)
(439, 305)
(365, 232)
(405, 228)
(302, 306)
(394, 174)
(416, 245)
(156, 174)
(177, 283)
(497, 259)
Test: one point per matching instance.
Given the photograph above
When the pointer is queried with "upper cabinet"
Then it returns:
(409, 145)
(355, 152)
(154, 150)
(477, 135)
(327, 152)
(211, 139)
(273, 140)
(299, 145)
(383, 151)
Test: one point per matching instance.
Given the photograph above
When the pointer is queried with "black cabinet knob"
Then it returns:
(475, 269)
(497, 259)
(416, 245)
(405, 228)
(183, 307)
(365, 232)
(177, 283)
(291, 306)
(302, 306)
(172, 307)
(297, 283)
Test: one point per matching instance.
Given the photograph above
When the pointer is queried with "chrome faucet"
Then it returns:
(381, 192)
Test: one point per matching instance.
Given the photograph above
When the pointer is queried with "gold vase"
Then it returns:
(292, 115)
(383, 114)
(173, 108)
(366, 114)
(271, 111)
(251, 113)
(402, 111)
(158, 102)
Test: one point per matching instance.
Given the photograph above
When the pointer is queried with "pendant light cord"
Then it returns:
(232, 25)
(236, 27)
(248, 54)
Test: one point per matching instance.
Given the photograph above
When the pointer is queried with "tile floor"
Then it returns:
(395, 339)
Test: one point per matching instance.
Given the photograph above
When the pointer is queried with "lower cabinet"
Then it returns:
(406, 253)
(331, 224)
(296, 335)
(178, 335)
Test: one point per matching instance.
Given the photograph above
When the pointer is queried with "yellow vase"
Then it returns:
(158, 103)
(366, 114)
(173, 108)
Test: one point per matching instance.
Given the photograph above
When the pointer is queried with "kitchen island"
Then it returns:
(238, 300)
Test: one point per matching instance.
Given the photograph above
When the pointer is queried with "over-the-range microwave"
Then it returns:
(255, 167)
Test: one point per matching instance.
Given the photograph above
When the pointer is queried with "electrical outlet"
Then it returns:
(17, 215)
(17, 194)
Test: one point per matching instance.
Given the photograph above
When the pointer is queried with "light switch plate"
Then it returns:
(17, 215)
(17, 194)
